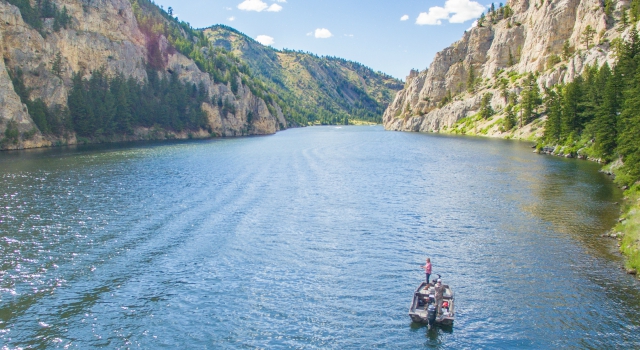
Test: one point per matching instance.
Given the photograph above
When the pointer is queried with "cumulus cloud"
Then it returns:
(463, 10)
(455, 11)
(323, 33)
(259, 6)
(434, 17)
(265, 40)
(231, 18)
(253, 5)
(404, 18)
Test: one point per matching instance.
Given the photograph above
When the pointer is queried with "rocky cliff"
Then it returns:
(493, 59)
(105, 35)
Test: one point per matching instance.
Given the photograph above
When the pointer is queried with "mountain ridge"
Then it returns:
(157, 78)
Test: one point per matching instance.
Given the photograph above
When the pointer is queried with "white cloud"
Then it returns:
(231, 18)
(265, 40)
(310, 34)
(434, 17)
(463, 10)
(456, 11)
(274, 8)
(252, 5)
(349, 35)
(281, 0)
(323, 33)
(404, 18)
(228, 8)
(473, 25)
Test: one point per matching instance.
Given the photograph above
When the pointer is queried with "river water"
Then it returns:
(310, 238)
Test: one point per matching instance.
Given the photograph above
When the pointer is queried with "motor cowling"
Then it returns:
(431, 314)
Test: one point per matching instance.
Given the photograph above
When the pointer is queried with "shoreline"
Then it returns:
(626, 231)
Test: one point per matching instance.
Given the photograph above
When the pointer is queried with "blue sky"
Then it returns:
(389, 36)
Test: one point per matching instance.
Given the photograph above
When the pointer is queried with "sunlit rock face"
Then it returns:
(531, 40)
(104, 34)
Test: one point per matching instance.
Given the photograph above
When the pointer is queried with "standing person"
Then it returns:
(427, 269)
(439, 294)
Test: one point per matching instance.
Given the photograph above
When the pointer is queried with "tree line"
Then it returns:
(599, 112)
(102, 107)
(43, 9)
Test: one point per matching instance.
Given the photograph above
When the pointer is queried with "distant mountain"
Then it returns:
(76, 71)
(319, 89)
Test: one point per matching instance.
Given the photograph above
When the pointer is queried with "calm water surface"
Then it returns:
(311, 238)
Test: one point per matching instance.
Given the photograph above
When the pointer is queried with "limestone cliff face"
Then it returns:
(531, 40)
(104, 34)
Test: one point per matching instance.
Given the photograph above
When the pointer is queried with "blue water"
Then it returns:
(310, 238)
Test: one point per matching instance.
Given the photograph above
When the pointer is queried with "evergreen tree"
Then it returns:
(553, 106)
(628, 131)
(530, 99)
(587, 35)
(510, 118)
(571, 109)
(471, 79)
(511, 61)
(486, 110)
(607, 114)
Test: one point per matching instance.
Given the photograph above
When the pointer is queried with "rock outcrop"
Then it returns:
(546, 38)
(104, 34)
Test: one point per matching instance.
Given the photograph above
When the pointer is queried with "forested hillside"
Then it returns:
(77, 71)
(316, 89)
(564, 74)
(597, 115)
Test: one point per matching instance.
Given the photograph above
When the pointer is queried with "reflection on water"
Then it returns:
(308, 238)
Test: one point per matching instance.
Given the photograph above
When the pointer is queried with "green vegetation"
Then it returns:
(103, 107)
(485, 106)
(318, 90)
(11, 133)
(52, 121)
(598, 116)
(598, 113)
(630, 227)
(43, 9)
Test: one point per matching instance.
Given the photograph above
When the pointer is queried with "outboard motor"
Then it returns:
(431, 315)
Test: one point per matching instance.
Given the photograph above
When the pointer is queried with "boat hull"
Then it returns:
(418, 311)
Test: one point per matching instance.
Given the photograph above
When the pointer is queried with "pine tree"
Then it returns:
(56, 66)
(587, 35)
(628, 131)
(530, 99)
(566, 50)
(486, 110)
(607, 114)
(471, 79)
(510, 118)
(571, 109)
(553, 106)
(511, 60)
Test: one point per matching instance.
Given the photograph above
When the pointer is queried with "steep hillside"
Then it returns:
(565, 73)
(321, 89)
(115, 70)
(146, 86)
(493, 59)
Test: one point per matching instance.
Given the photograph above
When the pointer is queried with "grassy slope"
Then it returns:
(630, 227)
(322, 86)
